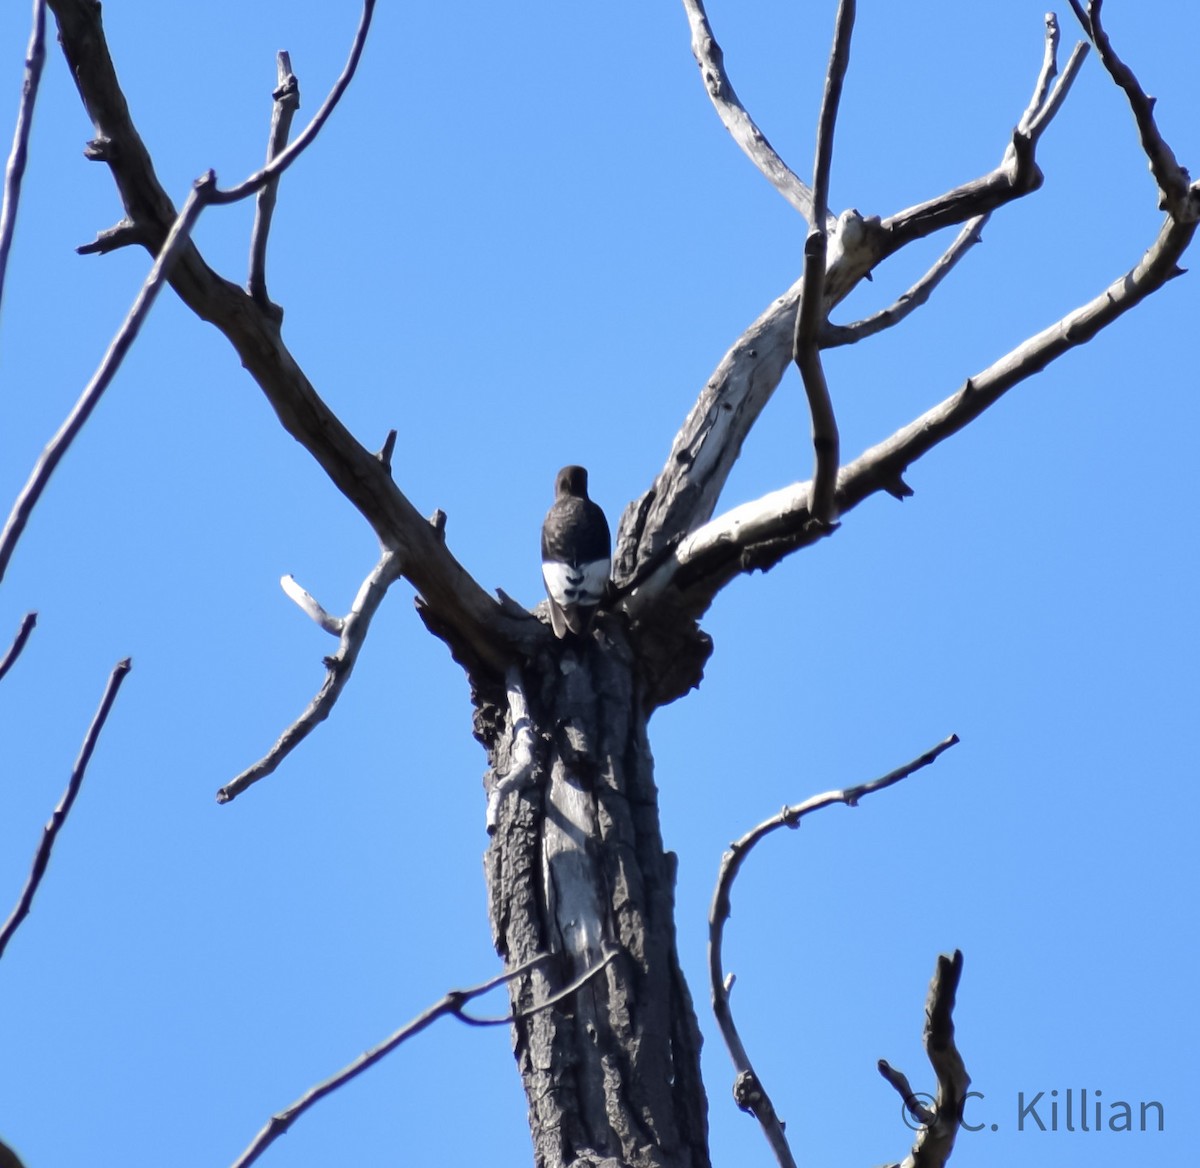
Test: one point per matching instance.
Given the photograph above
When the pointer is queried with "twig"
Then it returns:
(834, 335)
(284, 106)
(58, 446)
(309, 604)
(354, 628)
(35, 57)
(748, 1089)
(28, 621)
(260, 178)
(736, 119)
(811, 313)
(1177, 196)
(50, 832)
(939, 1124)
(1041, 86)
(451, 1003)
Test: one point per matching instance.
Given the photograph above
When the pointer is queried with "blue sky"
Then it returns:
(525, 241)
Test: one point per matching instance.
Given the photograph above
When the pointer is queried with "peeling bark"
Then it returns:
(576, 867)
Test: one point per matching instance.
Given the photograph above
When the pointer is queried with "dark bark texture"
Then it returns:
(576, 867)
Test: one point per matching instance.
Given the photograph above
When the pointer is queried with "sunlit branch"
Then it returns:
(452, 1003)
(28, 621)
(35, 57)
(687, 490)
(285, 103)
(353, 629)
(735, 117)
(309, 605)
(50, 832)
(748, 1089)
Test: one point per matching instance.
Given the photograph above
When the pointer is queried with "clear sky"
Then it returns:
(525, 240)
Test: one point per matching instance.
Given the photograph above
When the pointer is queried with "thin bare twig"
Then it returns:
(50, 832)
(35, 57)
(354, 628)
(311, 606)
(28, 621)
(276, 166)
(58, 446)
(940, 1123)
(748, 1089)
(834, 335)
(735, 117)
(452, 1003)
(286, 101)
(810, 316)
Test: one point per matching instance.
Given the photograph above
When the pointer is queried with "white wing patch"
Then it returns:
(569, 585)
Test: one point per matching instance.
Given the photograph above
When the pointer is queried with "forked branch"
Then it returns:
(482, 633)
(686, 492)
(938, 1126)
(352, 631)
(748, 1089)
(453, 1004)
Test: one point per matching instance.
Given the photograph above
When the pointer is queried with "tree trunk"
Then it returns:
(576, 868)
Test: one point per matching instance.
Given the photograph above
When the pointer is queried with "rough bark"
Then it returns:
(576, 867)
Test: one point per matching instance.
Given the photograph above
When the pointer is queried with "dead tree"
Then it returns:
(581, 888)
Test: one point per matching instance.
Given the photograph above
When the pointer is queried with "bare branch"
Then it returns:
(1041, 88)
(1042, 107)
(833, 335)
(14, 650)
(686, 492)
(306, 601)
(736, 119)
(286, 101)
(451, 1003)
(35, 57)
(50, 832)
(1177, 196)
(759, 534)
(353, 629)
(811, 314)
(58, 446)
(939, 1124)
(481, 633)
(277, 165)
(748, 1089)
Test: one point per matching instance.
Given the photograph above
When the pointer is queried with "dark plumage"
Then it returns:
(576, 553)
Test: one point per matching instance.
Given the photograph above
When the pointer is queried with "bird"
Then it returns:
(576, 554)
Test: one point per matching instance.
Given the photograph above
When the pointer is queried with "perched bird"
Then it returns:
(576, 553)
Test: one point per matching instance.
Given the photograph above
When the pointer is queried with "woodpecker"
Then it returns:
(576, 553)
